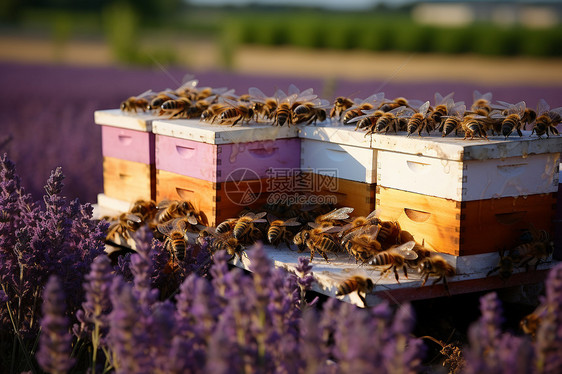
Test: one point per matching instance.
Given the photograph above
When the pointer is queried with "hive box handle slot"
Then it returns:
(511, 170)
(125, 139)
(336, 154)
(510, 218)
(185, 152)
(124, 176)
(418, 167)
(417, 215)
(184, 193)
(263, 152)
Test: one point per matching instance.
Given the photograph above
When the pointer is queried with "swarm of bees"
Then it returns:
(374, 114)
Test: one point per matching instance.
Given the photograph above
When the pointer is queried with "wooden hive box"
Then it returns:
(129, 171)
(222, 169)
(467, 197)
(340, 164)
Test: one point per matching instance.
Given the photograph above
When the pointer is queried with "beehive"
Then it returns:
(466, 197)
(222, 169)
(341, 163)
(128, 155)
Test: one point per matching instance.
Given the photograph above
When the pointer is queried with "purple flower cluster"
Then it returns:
(38, 241)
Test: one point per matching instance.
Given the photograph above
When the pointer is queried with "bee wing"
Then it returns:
(440, 100)
(557, 111)
(133, 217)
(231, 102)
(164, 204)
(280, 95)
(189, 82)
(373, 214)
(166, 227)
(374, 98)
(424, 108)
(406, 250)
(192, 219)
(291, 222)
(480, 96)
(271, 217)
(542, 107)
(503, 105)
(293, 89)
(339, 214)
(146, 93)
(330, 229)
(259, 216)
(359, 118)
(402, 111)
(257, 94)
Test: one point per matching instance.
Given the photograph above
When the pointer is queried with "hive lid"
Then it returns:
(196, 130)
(330, 132)
(117, 118)
(459, 149)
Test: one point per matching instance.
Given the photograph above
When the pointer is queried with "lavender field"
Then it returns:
(47, 112)
(68, 307)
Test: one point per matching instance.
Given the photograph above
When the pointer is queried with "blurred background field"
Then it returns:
(62, 60)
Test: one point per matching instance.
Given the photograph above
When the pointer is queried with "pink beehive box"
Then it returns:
(128, 154)
(219, 153)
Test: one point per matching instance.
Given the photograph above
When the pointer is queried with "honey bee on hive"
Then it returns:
(317, 240)
(279, 231)
(361, 284)
(395, 258)
(547, 119)
(361, 106)
(441, 108)
(138, 103)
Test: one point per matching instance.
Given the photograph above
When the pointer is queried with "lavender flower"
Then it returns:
(549, 335)
(128, 337)
(55, 339)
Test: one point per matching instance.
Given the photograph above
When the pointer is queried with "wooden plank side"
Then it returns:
(128, 180)
(358, 195)
(435, 221)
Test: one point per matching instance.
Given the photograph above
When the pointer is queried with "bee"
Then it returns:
(226, 226)
(531, 322)
(278, 231)
(418, 121)
(436, 266)
(453, 121)
(362, 106)
(361, 223)
(188, 89)
(368, 121)
(512, 119)
(176, 108)
(123, 225)
(362, 244)
(160, 98)
(145, 209)
(341, 104)
(389, 234)
(396, 258)
(170, 209)
(474, 125)
(357, 283)
(263, 105)
(245, 229)
(505, 266)
(175, 233)
(397, 103)
(390, 120)
(228, 243)
(317, 240)
(547, 119)
(136, 103)
(213, 111)
(537, 249)
(442, 107)
(236, 112)
(286, 104)
(310, 112)
(481, 103)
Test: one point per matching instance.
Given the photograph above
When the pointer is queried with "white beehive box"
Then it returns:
(468, 170)
(338, 151)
